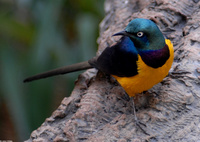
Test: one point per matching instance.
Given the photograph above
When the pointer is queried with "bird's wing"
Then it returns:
(120, 59)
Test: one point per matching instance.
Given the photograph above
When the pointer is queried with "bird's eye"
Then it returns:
(140, 34)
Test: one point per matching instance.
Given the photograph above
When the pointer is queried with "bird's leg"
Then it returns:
(137, 122)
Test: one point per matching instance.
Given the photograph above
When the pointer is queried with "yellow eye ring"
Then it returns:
(140, 34)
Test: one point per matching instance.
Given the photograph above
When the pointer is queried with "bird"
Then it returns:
(139, 60)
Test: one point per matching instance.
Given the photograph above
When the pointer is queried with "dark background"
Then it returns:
(36, 36)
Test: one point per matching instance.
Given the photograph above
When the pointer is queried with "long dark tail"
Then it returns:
(62, 70)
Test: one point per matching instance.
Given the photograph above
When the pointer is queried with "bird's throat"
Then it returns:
(155, 58)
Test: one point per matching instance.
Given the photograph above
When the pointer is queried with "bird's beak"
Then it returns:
(121, 33)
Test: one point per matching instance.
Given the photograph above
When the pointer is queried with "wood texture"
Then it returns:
(98, 110)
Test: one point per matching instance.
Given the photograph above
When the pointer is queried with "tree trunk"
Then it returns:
(98, 110)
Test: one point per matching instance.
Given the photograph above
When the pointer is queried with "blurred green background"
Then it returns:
(36, 36)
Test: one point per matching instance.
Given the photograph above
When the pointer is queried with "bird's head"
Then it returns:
(144, 34)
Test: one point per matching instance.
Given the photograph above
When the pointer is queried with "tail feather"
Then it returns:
(62, 70)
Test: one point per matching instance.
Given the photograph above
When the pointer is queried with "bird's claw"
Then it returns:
(138, 124)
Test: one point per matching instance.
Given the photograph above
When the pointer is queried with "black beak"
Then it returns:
(121, 33)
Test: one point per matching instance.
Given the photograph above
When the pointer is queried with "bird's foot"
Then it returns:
(137, 122)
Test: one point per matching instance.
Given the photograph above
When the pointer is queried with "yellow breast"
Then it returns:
(147, 76)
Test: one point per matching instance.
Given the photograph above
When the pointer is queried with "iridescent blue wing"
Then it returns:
(120, 59)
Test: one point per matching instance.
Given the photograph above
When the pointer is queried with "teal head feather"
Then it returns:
(145, 34)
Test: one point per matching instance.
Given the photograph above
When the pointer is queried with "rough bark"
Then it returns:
(97, 109)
